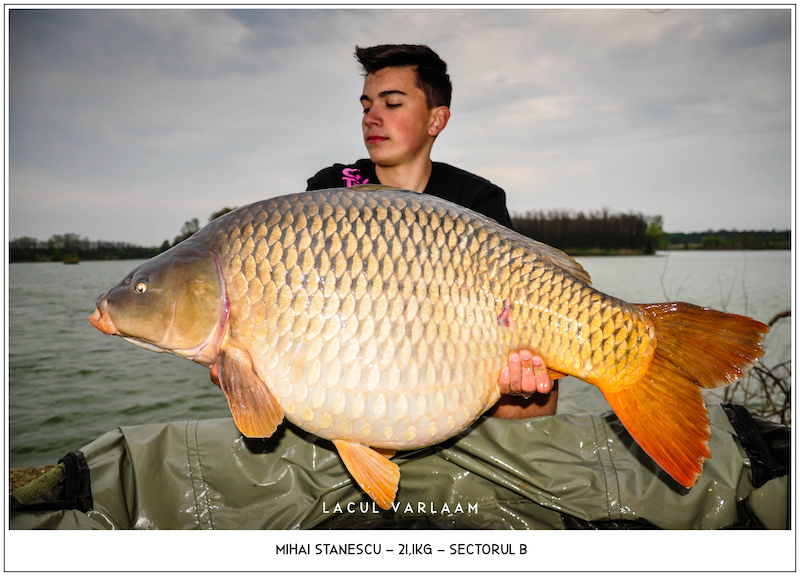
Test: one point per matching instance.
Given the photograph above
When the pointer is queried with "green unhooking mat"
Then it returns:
(558, 472)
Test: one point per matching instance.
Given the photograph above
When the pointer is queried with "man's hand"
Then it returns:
(525, 375)
(527, 388)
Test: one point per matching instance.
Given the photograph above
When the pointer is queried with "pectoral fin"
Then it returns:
(376, 474)
(256, 412)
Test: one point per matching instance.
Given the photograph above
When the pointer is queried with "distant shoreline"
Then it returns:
(571, 252)
(626, 252)
(616, 235)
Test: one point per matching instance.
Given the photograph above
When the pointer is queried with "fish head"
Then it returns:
(175, 302)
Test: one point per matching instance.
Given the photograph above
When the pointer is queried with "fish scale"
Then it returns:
(380, 320)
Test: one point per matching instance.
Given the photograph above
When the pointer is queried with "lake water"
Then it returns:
(68, 383)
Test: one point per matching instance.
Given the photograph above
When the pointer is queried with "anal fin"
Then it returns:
(374, 472)
(255, 410)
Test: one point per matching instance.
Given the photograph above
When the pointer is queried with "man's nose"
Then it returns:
(372, 117)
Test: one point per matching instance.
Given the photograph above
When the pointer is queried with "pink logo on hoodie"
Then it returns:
(352, 177)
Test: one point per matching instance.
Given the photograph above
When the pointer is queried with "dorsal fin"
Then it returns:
(369, 187)
(558, 258)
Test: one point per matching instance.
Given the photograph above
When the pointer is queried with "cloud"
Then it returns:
(139, 119)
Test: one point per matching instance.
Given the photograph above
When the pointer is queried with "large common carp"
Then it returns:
(380, 320)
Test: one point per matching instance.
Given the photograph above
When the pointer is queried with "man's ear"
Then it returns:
(439, 117)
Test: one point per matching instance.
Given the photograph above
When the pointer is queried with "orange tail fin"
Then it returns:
(664, 411)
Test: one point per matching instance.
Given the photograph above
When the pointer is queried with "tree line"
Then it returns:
(732, 240)
(72, 247)
(595, 232)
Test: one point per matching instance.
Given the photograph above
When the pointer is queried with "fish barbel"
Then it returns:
(380, 320)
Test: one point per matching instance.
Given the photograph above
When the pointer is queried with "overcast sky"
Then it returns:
(123, 124)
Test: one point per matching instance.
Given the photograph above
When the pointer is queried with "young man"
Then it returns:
(406, 102)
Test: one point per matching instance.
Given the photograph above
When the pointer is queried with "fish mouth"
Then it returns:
(103, 323)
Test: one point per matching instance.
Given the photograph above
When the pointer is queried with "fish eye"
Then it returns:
(141, 286)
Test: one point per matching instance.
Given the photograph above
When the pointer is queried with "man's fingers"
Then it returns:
(505, 380)
(543, 383)
(514, 373)
(525, 374)
(528, 380)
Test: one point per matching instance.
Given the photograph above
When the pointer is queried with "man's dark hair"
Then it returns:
(432, 77)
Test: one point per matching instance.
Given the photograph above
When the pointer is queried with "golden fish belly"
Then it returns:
(398, 419)
(392, 379)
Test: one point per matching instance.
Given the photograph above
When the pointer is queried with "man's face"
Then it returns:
(397, 121)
